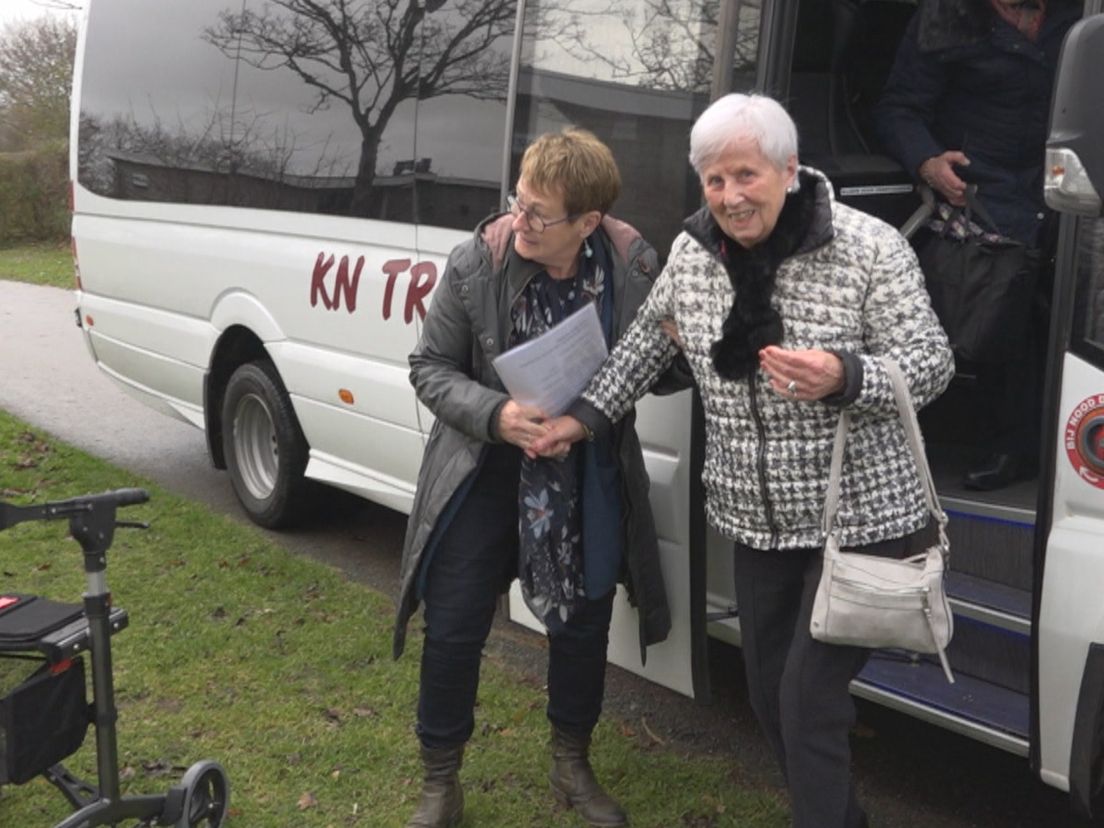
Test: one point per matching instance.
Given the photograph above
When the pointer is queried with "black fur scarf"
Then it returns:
(752, 322)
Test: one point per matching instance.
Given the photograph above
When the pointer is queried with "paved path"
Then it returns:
(47, 377)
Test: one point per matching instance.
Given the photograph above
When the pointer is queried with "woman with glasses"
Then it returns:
(569, 526)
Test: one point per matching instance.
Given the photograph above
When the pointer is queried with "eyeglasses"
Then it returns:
(536, 222)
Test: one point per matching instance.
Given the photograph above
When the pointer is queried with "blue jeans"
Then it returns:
(474, 560)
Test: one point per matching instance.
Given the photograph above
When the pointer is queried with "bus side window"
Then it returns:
(311, 145)
(463, 84)
(141, 137)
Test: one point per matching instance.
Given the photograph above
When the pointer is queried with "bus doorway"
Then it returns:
(828, 62)
(1028, 559)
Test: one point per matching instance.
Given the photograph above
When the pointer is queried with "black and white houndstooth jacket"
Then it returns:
(853, 287)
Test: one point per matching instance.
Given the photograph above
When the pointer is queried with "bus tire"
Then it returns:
(266, 452)
(1086, 772)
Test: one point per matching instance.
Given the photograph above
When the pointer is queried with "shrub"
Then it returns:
(34, 194)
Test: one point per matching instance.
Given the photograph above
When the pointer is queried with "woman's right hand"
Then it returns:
(559, 435)
(939, 173)
(521, 424)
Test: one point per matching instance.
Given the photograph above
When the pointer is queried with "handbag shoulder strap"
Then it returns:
(907, 413)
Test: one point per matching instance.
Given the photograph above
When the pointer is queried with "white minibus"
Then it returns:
(265, 193)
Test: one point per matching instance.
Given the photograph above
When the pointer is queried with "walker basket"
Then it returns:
(43, 711)
(43, 719)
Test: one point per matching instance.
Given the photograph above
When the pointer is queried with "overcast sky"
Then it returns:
(14, 11)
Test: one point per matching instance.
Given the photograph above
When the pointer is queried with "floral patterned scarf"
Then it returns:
(550, 525)
(1025, 15)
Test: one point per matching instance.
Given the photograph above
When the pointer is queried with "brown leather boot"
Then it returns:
(442, 802)
(574, 785)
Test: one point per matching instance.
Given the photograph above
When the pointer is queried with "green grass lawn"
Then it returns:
(42, 263)
(280, 668)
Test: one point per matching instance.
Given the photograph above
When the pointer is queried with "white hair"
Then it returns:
(738, 117)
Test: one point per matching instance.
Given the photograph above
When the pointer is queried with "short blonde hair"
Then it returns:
(577, 164)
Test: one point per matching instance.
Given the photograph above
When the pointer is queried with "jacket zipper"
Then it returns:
(761, 458)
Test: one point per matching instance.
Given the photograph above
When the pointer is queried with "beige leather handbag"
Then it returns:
(871, 601)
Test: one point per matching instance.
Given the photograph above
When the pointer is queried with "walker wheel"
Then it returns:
(206, 796)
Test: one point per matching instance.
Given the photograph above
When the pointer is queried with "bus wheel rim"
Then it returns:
(255, 446)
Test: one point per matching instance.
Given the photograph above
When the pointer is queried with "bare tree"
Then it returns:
(371, 57)
(670, 44)
(36, 66)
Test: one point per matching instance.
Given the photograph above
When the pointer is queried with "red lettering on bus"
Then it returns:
(423, 278)
(392, 268)
(344, 286)
(318, 280)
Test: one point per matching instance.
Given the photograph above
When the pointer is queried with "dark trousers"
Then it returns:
(474, 558)
(1011, 395)
(798, 687)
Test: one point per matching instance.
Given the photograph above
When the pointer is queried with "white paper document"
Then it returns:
(552, 370)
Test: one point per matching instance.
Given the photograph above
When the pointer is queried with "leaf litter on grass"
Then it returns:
(279, 668)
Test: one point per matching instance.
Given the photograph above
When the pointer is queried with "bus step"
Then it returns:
(997, 604)
(992, 654)
(971, 706)
(992, 639)
(991, 542)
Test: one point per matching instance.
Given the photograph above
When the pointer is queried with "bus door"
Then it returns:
(636, 74)
(1068, 676)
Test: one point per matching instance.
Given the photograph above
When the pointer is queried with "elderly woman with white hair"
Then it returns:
(783, 302)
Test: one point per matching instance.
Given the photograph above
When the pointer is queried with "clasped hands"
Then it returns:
(798, 375)
(527, 427)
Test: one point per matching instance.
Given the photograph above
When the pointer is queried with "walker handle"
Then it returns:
(11, 514)
(116, 498)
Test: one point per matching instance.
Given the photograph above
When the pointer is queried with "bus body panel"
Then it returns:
(1071, 614)
(328, 301)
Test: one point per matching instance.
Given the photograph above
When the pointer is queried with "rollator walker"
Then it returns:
(45, 717)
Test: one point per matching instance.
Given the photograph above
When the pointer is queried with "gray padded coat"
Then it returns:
(452, 374)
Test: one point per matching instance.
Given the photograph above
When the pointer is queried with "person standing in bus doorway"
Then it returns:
(784, 302)
(484, 513)
(968, 100)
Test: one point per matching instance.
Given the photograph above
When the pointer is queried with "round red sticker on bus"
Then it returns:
(1084, 439)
